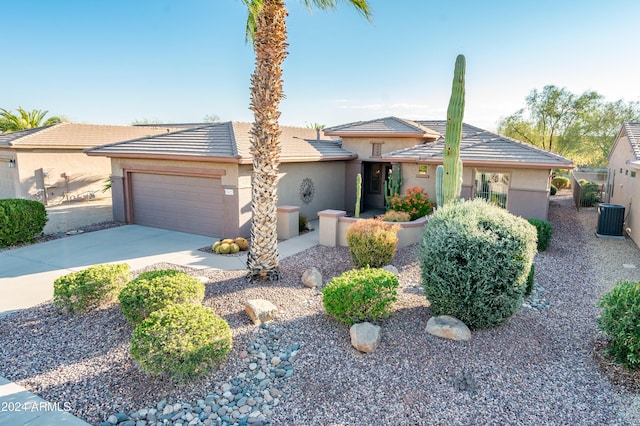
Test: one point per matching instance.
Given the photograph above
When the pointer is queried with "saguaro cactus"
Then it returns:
(358, 194)
(393, 184)
(439, 194)
(452, 179)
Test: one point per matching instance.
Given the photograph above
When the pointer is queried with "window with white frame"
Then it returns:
(493, 187)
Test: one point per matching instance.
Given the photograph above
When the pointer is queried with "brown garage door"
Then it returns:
(180, 203)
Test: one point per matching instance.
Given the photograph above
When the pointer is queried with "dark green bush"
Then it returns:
(360, 295)
(530, 281)
(303, 223)
(372, 242)
(87, 289)
(589, 194)
(544, 232)
(21, 221)
(475, 259)
(154, 290)
(553, 190)
(560, 182)
(620, 320)
(181, 340)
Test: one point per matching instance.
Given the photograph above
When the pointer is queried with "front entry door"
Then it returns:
(375, 175)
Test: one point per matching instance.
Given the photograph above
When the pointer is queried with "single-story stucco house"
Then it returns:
(198, 180)
(624, 168)
(513, 174)
(48, 163)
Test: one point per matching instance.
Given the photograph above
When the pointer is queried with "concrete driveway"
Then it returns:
(27, 273)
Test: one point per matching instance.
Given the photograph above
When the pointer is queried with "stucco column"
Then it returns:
(328, 233)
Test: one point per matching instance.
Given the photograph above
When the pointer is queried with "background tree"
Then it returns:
(266, 29)
(211, 118)
(581, 127)
(10, 122)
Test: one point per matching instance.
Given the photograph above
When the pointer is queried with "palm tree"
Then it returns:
(26, 120)
(266, 29)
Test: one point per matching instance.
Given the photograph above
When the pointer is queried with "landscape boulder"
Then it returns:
(260, 310)
(392, 269)
(448, 327)
(365, 336)
(312, 278)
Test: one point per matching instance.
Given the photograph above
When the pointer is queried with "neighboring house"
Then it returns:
(48, 163)
(198, 180)
(624, 171)
(511, 173)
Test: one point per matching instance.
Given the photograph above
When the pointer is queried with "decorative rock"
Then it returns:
(448, 327)
(260, 310)
(392, 269)
(312, 278)
(113, 420)
(365, 336)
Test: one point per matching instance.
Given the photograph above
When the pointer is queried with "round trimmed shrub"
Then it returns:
(21, 221)
(182, 340)
(154, 290)
(475, 260)
(620, 321)
(553, 190)
(372, 242)
(544, 231)
(414, 201)
(560, 182)
(360, 295)
(87, 289)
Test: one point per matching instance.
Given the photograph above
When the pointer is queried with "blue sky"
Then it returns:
(116, 61)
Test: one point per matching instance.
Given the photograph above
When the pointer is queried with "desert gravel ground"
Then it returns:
(538, 368)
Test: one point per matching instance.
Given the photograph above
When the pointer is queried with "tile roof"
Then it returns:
(633, 134)
(387, 126)
(480, 146)
(228, 141)
(75, 135)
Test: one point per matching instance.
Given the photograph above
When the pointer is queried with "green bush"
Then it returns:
(415, 201)
(394, 216)
(87, 289)
(589, 194)
(530, 281)
(372, 242)
(303, 223)
(553, 190)
(21, 221)
(154, 290)
(475, 259)
(620, 320)
(560, 182)
(544, 232)
(181, 340)
(360, 295)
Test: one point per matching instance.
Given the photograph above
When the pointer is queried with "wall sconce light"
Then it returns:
(12, 163)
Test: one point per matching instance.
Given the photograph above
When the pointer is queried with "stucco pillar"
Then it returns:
(117, 199)
(288, 225)
(328, 232)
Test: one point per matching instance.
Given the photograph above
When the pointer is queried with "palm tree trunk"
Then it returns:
(266, 93)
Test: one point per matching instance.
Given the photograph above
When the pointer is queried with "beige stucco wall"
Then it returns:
(85, 174)
(8, 176)
(528, 188)
(328, 181)
(362, 146)
(624, 187)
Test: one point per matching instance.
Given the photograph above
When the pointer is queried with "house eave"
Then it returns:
(480, 163)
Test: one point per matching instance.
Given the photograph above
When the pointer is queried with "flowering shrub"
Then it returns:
(394, 216)
(415, 201)
(372, 242)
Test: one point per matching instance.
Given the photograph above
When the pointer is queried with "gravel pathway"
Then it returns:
(538, 368)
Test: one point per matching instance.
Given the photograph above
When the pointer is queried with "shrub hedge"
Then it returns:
(181, 340)
(544, 232)
(87, 289)
(414, 201)
(21, 221)
(475, 260)
(154, 290)
(372, 242)
(360, 295)
(620, 320)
